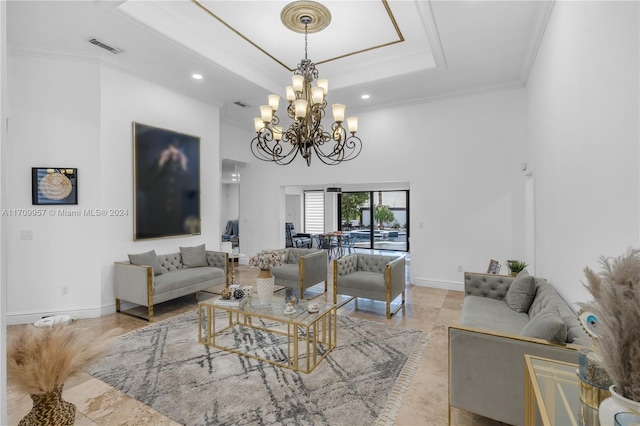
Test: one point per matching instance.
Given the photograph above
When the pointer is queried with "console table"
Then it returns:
(554, 387)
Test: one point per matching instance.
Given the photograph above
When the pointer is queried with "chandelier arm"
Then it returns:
(344, 149)
(260, 147)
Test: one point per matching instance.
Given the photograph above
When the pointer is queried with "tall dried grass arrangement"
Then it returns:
(616, 303)
(39, 360)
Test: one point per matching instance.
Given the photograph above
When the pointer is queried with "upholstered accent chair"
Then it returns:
(370, 276)
(302, 268)
(293, 239)
(231, 233)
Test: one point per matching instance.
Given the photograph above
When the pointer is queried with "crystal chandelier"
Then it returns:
(307, 103)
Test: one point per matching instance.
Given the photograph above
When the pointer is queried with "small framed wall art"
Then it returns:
(54, 185)
(494, 267)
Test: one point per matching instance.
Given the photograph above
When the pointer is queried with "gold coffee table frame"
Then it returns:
(309, 337)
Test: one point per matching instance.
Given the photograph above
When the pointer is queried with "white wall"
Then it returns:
(583, 109)
(72, 113)
(3, 180)
(125, 99)
(229, 203)
(54, 121)
(234, 142)
(461, 157)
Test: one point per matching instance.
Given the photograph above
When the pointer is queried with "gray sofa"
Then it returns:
(486, 351)
(302, 268)
(148, 279)
(370, 276)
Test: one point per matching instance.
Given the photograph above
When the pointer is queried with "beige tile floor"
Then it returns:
(425, 402)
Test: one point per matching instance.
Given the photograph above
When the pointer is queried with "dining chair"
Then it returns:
(348, 241)
(325, 242)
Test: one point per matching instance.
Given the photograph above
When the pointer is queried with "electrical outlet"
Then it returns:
(65, 291)
(26, 234)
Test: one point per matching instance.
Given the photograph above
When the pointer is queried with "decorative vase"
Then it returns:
(265, 286)
(50, 409)
(616, 403)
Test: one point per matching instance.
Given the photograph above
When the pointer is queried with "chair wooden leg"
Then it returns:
(150, 313)
(117, 305)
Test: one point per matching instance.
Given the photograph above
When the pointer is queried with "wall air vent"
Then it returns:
(334, 190)
(114, 50)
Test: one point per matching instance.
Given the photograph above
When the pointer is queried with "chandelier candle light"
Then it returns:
(306, 108)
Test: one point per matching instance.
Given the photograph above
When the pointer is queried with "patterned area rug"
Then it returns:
(361, 382)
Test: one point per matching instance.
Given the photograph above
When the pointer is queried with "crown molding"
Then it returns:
(537, 33)
(431, 30)
(53, 54)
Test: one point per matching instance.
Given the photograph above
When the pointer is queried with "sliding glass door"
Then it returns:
(376, 220)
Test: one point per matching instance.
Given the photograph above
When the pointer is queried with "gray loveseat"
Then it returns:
(302, 268)
(370, 276)
(486, 351)
(148, 279)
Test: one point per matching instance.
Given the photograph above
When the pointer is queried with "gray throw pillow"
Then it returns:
(194, 257)
(148, 259)
(547, 325)
(521, 292)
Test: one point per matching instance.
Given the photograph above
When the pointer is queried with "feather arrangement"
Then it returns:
(616, 303)
(39, 360)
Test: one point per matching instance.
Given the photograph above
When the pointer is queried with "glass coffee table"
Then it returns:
(298, 341)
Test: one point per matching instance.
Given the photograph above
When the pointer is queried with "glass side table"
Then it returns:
(554, 386)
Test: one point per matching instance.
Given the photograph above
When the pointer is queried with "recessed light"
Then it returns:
(365, 96)
(197, 76)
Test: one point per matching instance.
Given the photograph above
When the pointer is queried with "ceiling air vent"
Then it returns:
(114, 50)
(241, 104)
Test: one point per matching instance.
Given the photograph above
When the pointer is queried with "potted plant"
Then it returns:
(516, 266)
(616, 307)
(40, 360)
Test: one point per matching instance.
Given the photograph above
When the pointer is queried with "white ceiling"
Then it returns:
(399, 51)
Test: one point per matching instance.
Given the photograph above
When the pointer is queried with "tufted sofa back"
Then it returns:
(170, 262)
(373, 262)
(487, 285)
(294, 254)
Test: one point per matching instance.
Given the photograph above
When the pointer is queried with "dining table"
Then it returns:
(336, 243)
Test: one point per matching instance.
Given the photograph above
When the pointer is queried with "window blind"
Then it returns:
(314, 212)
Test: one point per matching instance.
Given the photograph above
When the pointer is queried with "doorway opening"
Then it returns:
(377, 220)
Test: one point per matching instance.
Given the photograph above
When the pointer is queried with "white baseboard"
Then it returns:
(446, 285)
(31, 317)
